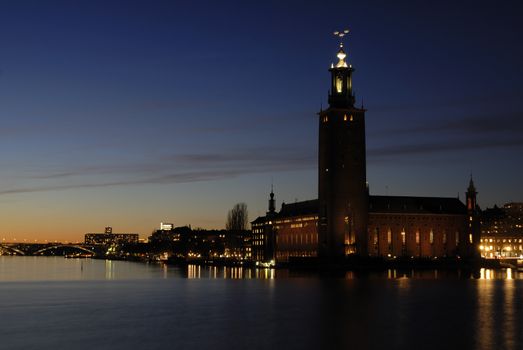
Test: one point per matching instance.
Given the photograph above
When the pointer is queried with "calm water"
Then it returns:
(48, 303)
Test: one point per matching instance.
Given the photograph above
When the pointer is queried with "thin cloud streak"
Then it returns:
(459, 102)
(217, 166)
(453, 146)
(487, 124)
(197, 167)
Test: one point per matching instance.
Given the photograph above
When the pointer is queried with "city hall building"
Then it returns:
(346, 219)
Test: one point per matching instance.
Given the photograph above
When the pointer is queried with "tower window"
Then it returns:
(339, 84)
(345, 118)
(351, 118)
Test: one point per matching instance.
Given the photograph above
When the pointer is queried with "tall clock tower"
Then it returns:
(342, 191)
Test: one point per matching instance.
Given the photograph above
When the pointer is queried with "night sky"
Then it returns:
(129, 113)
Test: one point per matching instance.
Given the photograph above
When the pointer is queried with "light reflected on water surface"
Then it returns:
(126, 305)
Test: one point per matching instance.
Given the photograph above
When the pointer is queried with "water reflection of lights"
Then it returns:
(489, 304)
(214, 272)
(485, 310)
(510, 319)
(265, 273)
(490, 274)
(164, 267)
(109, 270)
(194, 271)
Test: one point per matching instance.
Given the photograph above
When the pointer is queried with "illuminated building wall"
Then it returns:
(501, 246)
(262, 241)
(502, 231)
(417, 227)
(263, 238)
(296, 228)
(427, 227)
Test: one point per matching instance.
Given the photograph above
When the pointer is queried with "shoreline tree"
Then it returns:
(237, 218)
(237, 236)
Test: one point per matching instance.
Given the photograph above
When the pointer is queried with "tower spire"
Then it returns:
(471, 188)
(471, 195)
(341, 95)
(272, 201)
(342, 180)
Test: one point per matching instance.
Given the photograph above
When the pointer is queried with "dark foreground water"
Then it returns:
(56, 303)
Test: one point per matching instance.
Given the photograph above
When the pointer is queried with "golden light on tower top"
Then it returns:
(342, 33)
(341, 54)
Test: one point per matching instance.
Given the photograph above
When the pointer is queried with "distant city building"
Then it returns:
(345, 219)
(502, 231)
(166, 227)
(167, 232)
(108, 238)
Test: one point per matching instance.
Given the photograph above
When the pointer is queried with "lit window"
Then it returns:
(431, 237)
(345, 117)
(339, 83)
(389, 236)
(351, 118)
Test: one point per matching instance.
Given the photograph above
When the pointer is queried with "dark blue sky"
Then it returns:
(128, 113)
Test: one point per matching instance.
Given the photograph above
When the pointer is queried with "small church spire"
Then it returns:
(472, 188)
(471, 196)
(272, 201)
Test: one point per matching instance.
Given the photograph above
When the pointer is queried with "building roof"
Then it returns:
(299, 208)
(384, 204)
(259, 220)
(416, 205)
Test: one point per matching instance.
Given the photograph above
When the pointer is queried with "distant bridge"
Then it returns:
(43, 248)
(11, 249)
(64, 246)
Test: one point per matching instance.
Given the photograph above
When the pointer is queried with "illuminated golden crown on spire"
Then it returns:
(341, 54)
